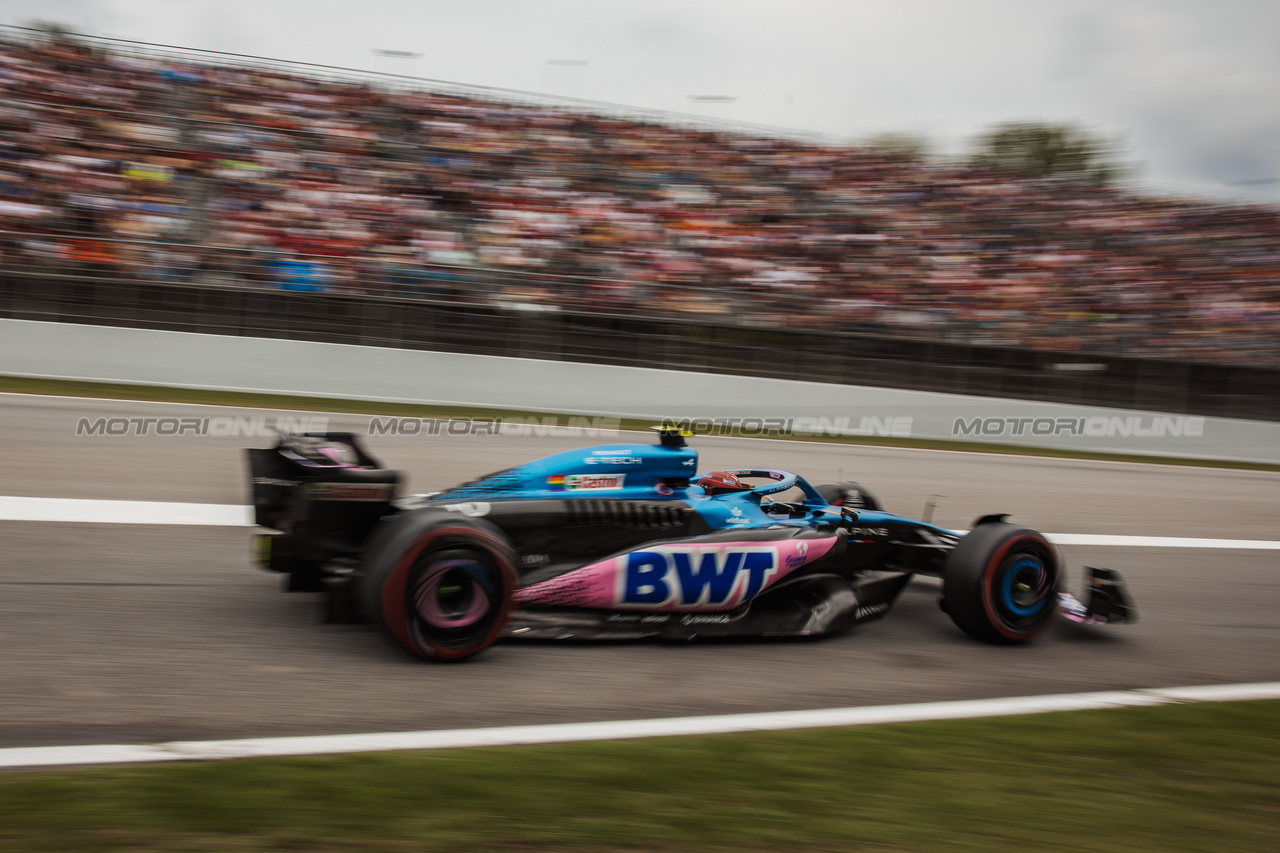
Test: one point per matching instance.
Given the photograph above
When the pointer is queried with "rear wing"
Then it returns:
(323, 488)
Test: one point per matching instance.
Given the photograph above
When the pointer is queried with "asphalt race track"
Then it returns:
(128, 633)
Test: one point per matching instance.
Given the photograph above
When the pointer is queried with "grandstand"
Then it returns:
(184, 189)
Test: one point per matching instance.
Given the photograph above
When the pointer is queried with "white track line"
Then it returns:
(231, 515)
(56, 756)
(1106, 541)
(123, 512)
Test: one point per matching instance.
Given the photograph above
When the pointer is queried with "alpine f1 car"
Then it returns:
(626, 541)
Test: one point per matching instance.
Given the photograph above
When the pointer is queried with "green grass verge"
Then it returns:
(73, 388)
(1199, 777)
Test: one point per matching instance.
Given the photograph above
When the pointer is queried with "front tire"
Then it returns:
(441, 585)
(1000, 584)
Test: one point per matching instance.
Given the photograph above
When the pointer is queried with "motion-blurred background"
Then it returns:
(184, 189)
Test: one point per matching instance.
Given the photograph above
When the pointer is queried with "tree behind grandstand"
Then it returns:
(51, 30)
(1037, 149)
(904, 147)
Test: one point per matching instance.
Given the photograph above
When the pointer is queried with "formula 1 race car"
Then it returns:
(626, 541)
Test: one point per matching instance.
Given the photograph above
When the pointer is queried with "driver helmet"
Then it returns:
(315, 451)
(338, 455)
(721, 482)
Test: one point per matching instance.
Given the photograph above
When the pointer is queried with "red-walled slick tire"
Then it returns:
(1001, 582)
(442, 585)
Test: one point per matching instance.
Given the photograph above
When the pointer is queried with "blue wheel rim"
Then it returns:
(1031, 577)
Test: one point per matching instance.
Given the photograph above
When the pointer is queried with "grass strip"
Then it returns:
(289, 402)
(1195, 777)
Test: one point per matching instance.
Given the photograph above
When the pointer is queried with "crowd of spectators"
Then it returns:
(158, 166)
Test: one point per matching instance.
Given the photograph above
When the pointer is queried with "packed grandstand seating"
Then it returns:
(176, 167)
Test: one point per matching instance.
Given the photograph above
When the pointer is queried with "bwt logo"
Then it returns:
(693, 576)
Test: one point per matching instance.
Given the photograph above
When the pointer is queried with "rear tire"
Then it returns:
(441, 585)
(1000, 584)
(850, 494)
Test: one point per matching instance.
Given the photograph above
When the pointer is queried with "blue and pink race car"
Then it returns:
(629, 541)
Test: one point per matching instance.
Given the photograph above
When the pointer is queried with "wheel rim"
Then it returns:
(454, 602)
(1025, 588)
(453, 594)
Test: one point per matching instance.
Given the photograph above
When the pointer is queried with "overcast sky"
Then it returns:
(1193, 88)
